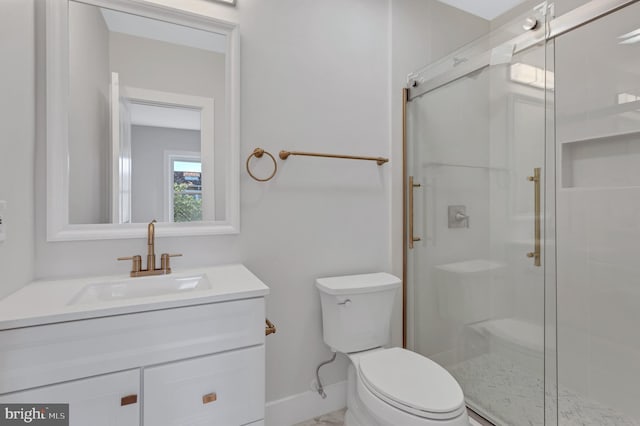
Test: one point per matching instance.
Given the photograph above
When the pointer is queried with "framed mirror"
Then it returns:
(142, 105)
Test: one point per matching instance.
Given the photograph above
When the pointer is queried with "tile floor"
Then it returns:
(332, 419)
(337, 419)
(577, 412)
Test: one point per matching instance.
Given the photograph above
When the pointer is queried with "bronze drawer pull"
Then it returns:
(210, 397)
(128, 400)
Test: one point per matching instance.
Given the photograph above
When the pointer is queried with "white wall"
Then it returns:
(148, 145)
(89, 137)
(17, 142)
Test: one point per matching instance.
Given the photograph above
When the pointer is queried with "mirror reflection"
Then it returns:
(147, 127)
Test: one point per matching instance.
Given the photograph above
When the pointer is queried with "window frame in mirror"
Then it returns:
(57, 125)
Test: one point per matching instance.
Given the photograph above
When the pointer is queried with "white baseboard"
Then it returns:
(304, 406)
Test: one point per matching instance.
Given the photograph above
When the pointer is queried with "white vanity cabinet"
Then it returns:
(221, 389)
(108, 400)
(190, 365)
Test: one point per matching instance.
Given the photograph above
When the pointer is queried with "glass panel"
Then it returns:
(187, 191)
(598, 135)
(478, 300)
(564, 6)
(550, 252)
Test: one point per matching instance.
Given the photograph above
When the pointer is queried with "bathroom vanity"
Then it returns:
(181, 349)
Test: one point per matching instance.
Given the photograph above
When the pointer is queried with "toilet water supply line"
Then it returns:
(319, 387)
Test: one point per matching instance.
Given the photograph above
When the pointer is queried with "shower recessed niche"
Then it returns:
(603, 161)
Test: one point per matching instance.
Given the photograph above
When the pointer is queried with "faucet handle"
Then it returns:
(136, 265)
(172, 255)
(164, 261)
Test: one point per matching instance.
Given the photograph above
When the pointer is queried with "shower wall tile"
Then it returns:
(592, 69)
(599, 295)
(461, 136)
(573, 358)
(613, 372)
(614, 231)
(444, 186)
(615, 298)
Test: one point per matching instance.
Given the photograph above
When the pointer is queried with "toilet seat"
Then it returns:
(411, 383)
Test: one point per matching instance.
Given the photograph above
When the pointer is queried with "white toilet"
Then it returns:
(386, 387)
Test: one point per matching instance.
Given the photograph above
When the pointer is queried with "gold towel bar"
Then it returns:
(380, 160)
(270, 328)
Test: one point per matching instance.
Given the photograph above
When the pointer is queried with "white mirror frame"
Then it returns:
(57, 125)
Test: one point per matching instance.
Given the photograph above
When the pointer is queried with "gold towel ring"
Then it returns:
(258, 153)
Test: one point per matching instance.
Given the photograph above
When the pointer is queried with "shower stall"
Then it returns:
(522, 224)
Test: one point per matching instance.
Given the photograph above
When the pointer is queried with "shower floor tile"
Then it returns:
(512, 396)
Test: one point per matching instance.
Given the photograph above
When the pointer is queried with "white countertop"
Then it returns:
(45, 302)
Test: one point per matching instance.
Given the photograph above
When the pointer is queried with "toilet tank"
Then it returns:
(356, 310)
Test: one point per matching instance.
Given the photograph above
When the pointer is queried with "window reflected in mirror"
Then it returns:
(186, 203)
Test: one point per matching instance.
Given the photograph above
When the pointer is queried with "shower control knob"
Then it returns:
(346, 303)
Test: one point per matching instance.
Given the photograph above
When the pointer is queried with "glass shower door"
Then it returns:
(476, 279)
(598, 209)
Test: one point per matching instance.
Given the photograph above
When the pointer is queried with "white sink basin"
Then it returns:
(54, 301)
(133, 288)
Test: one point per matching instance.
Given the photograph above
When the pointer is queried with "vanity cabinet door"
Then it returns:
(224, 389)
(109, 400)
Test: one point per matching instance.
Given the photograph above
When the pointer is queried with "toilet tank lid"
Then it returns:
(355, 284)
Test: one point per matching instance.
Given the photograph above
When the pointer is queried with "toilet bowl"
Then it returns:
(385, 387)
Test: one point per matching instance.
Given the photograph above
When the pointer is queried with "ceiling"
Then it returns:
(139, 26)
(487, 9)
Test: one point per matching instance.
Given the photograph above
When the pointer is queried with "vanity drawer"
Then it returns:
(109, 400)
(223, 389)
(41, 355)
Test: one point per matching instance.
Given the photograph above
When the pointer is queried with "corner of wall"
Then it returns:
(17, 109)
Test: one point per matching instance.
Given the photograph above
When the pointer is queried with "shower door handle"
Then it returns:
(536, 253)
(412, 238)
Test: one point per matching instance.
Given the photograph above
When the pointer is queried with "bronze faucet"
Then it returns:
(136, 266)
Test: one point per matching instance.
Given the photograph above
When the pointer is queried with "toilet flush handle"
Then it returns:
(346, 303)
